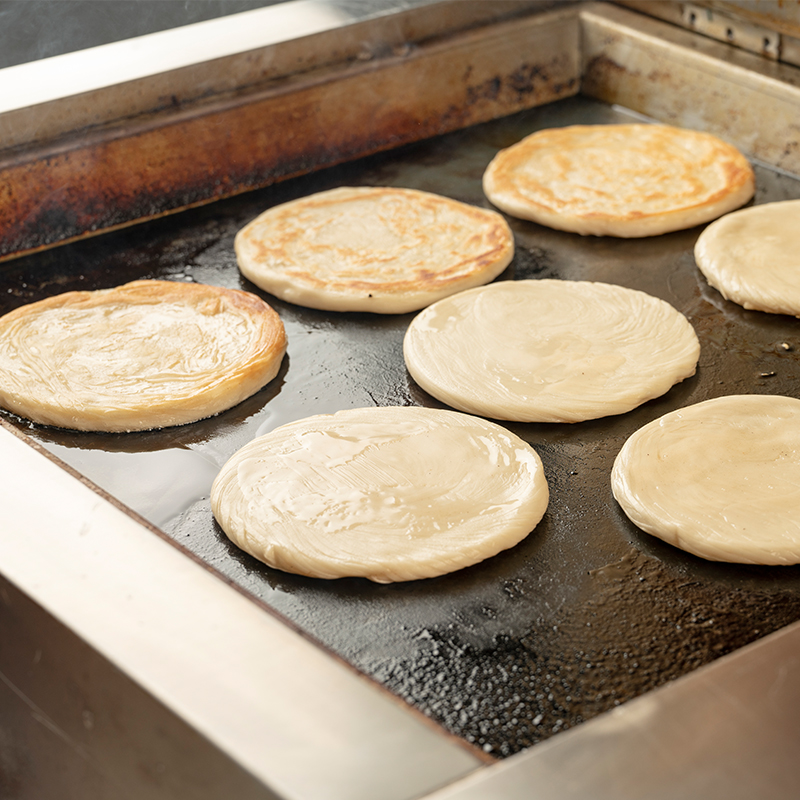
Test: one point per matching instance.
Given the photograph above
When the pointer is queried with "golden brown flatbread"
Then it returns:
(719, 479)
(549, 350)
(148, 354)
(752, 257)
(377, 249)
(389, 494)
(619, 180)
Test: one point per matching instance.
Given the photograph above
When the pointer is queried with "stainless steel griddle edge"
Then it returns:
(265, 702)
(299, 722)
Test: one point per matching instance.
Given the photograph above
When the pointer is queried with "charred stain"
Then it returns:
(524, 80)
(51, 224)
(522, 83)
(567, 88)
(789, 151)
(603, 63)
(488, 90)
(533, 262)
(600, 74)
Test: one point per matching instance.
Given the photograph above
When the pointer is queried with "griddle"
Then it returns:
(585, 614)
(151, 658)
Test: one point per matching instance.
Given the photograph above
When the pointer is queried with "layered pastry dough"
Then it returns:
(374, 249)
(549, 350)
(752, 257)
(619, 180)
(148, 354)
(720, 479)
(388, 494)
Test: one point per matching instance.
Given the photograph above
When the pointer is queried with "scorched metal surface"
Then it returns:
(584, 614)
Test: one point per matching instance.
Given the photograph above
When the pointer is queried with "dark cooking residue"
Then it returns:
(533, 262)
(641, 626)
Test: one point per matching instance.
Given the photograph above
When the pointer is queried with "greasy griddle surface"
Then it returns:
(584, 614)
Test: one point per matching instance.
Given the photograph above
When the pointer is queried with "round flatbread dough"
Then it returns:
(720, 479)
(376, 249)
(389, 494)
(148, 354)
(752, 257)
(549, 350)
(619, 180)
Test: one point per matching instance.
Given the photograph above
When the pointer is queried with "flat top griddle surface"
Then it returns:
(584, 614)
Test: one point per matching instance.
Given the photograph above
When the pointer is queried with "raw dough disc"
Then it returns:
(148, 354)
(389, 494)
(549, 350)
(720, 479)
(376, 249)
(752, 257)
(619, 180)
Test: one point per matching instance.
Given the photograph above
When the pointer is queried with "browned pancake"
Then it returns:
(376, 249)
(619, 180)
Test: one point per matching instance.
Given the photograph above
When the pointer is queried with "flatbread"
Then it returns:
(752, 257)
(376, 249)
(619, 180)
(720, 479)
(389, 494)
(148, 354)
(549, 350)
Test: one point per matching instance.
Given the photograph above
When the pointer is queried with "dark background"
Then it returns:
(34, 29)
